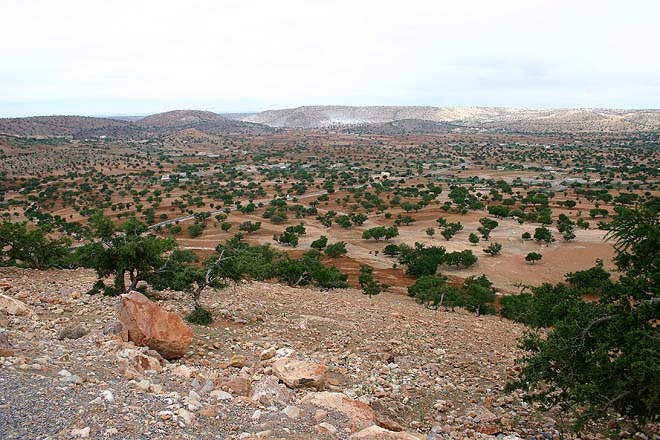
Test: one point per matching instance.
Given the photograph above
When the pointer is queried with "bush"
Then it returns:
(336, 250)
(200, 316)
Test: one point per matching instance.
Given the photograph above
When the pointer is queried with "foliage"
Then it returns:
(602, 356)
(533, 257)
(33, 247)
(543, 234)
(479, 295)
(493, 249)
(432, 291)
(199, 316)
(127, 249)
(320, 243)
(367, 282)
(336, 250)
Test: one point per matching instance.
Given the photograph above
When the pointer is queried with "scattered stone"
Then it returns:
(300, 374)
(144, 385)
(209, 411)
(378, 433)
(359, 414)
(489, 429)
(326, 428)
(238, 385)
(72, 332)
(146, 323)
(112, 328)
(268, 390)
(186, 416)
(81, 433)
(6, 347)
(221, 395)
(238, 361)
(15, 307)
(292, 412)
(268, 353)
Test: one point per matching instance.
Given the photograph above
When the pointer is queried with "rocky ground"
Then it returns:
(277, 363)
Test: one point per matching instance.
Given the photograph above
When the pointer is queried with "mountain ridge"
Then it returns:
(486, 118)
(81, 127)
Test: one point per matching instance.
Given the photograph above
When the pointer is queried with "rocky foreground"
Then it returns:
(277, 363)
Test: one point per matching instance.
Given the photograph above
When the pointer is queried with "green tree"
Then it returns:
(479, 295)
(493, 249)
(432, 291)
(320, 243)
(473, 238)
(543, 234)
(367, 282)
(336, 250)
(249, 227)
(128, 249)
(603, 356)
(533, 257)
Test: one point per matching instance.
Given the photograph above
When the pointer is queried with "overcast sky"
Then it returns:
(134, 57)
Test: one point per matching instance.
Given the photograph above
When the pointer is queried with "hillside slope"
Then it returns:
(390, 361)
(484, 118)
(81, 127)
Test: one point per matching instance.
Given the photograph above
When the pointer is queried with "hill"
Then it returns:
(390, 362)
(81, 127)
(401, 127)
(476, 118)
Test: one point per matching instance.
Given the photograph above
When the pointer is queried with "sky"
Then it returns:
(97, 57)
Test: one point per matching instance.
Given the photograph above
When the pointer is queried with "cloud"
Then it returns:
(65, 56)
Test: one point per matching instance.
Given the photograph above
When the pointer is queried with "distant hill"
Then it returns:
(60, 125)
(478, 118)
(81, 127)
(400, 127)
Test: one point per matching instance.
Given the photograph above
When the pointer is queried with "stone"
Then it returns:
(146, 323)
(138, 360)
(238, 360)
(72, 332)
(268, 390)
(292, 412)
(387, 423)
(112, 328)
(6, 347)
(5, 285)
(483, 414)
(378, 433)
(300, 374)
(359, 414)
(107, 396)
(221, 395)
(209, 411)
(186, 416)
(183, 371)
(326, 428)
(81, 433)
(15, 307)
(489, 429)
(268, 353)
(238, 385)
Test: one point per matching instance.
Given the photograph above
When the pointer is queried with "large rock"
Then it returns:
(268, 390)
(359, 414)
(146, 323)
(300, 374)
(6, 347)
(378, 433)
(15, 307)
